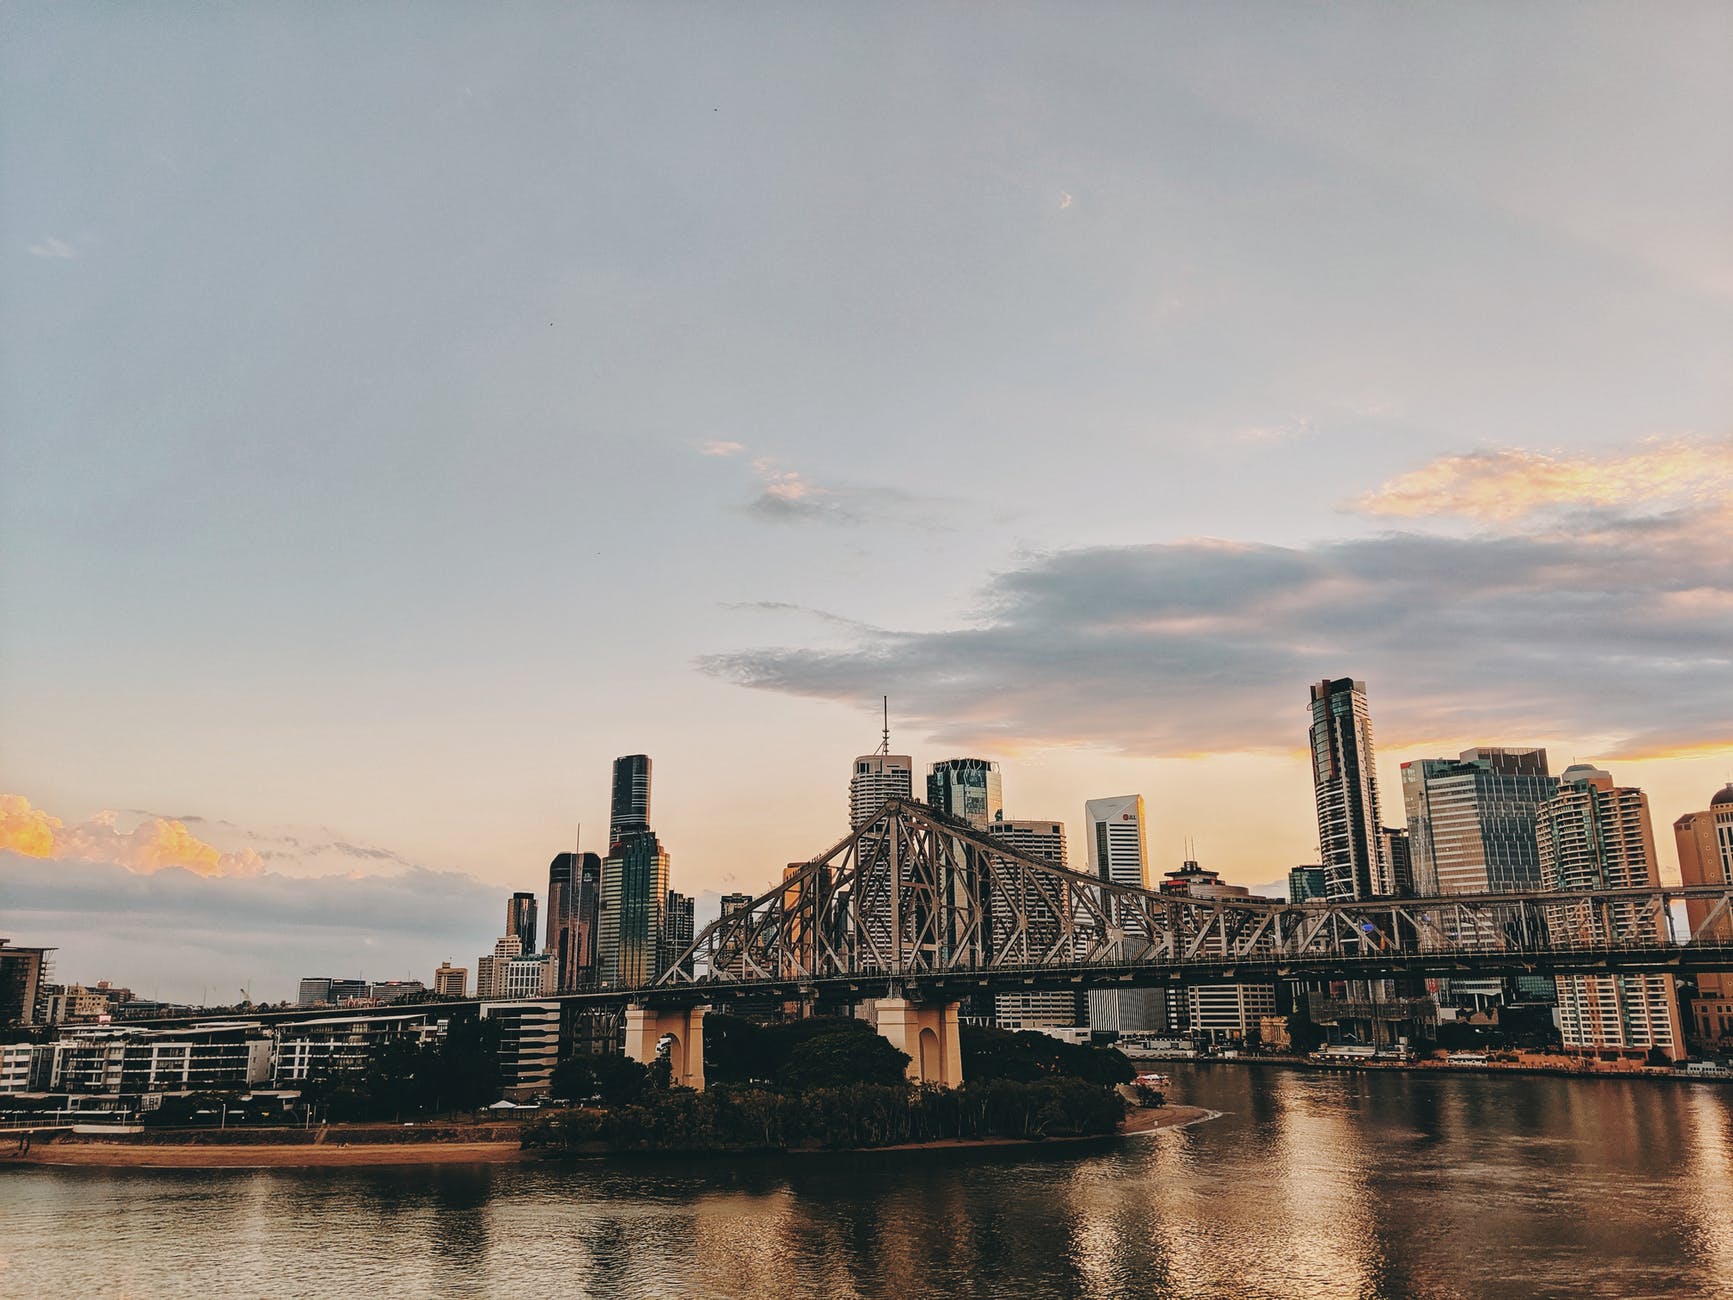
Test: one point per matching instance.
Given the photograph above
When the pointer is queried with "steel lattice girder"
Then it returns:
(914, 895)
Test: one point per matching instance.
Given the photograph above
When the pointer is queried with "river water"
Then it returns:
(1310, 1184)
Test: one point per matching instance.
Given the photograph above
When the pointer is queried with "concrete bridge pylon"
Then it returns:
(683, 1026)
(928, 1032)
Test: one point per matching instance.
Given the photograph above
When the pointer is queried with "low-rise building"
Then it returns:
(25, 1067)
(325, 1049)
(324, 991)
(72, 1004)
(214, 1057)
(529, 1045)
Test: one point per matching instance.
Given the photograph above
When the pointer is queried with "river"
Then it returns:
(1310, 1184)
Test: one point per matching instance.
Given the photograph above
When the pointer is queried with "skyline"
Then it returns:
(161, 869)
(397, 432)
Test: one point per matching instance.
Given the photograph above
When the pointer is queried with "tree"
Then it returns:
(610, 1077)
(465, 1071)
(738, 1050)
(1027, 1056)
(838, 1059)
(1303, 1035)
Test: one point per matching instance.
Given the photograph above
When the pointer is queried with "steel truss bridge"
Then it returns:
(917, 904)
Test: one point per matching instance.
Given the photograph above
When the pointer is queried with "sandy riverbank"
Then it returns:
(96, 1153)
(1157, 1117)
(190, 1155)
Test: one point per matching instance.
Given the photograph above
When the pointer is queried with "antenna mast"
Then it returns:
(885, 743)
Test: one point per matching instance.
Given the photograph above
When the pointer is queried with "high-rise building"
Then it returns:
(23, 973)
(1044, 840)
(1595, 835)
(732, 903)
(492, 969)
(1305, 883)
(1471, 819)
(1117, 853)
(1116, 840)
(875, 779)
(629, 811)
(574, 890)
(520, 919)
(1396, 863)
(1345, 783)
(634, 901)
(451, 981)
(1471, 831)
(1705, 842)
(677, 929)
(967, 789)
(1216, 1012)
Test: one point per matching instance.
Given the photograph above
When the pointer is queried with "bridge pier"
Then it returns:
(928, 1032)
(645, 1027)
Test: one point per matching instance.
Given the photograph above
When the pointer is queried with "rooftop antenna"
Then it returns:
(885, 742)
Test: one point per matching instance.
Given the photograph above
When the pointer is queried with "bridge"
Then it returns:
(913, 912)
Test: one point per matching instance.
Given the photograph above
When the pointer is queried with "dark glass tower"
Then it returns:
(1345, 781)
(629, 812)
(520, 919)
(574, 890)
(967, 789)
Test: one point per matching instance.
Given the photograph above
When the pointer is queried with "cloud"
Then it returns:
(1064, 200)
(1616, 633)
(51, 247)
(718, 447)
(174, 933)
(1293, 427)
(789, 496)
(1511, 484)
(155, 844)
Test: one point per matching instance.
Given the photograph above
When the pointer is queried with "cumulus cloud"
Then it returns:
(787, 495)
(720, 447)
(1510, 484)
(154, 844)
(51, 247)
(1616, 632)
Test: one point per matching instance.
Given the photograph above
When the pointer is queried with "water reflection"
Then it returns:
(1311, 1184)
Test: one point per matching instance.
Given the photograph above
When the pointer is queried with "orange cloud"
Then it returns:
(153, 845)
(1512, 484)
(26, 830)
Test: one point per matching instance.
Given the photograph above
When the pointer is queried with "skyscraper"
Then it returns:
(876, 778)
(1471, 819)
(574, 889)
(1471, 823)
(1345, 783)
(1048, 1010)
(1705, 842)
(633, 906)
(1396, 863)
(1595, 835)
(520, 919)
(1116, 840)
(1305, 883)
(677, 928)
(629, 810)
(967, 789)
(1117, 853)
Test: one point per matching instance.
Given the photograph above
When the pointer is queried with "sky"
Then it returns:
(406, 409)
